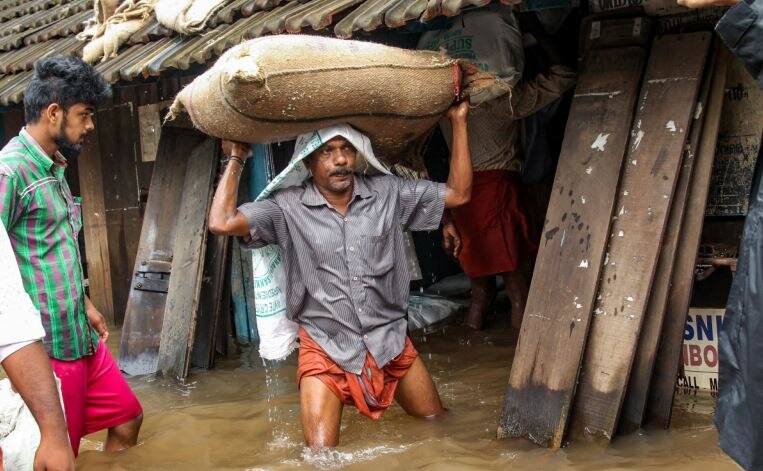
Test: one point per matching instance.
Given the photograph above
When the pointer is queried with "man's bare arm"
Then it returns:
(31, 375)
(224, 217)
(458, 190)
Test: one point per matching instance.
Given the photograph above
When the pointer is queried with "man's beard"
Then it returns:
(70, 150)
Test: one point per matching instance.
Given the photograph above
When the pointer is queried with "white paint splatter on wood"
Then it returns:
(600, 142)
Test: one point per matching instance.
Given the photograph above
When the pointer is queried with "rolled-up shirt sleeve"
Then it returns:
(264, 217)
(421, 204)
(19, 320)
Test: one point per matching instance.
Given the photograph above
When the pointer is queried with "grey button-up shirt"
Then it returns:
(348, 281)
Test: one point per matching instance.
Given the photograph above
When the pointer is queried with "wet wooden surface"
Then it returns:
(180, 313)
(650, 171)
(659, 406)
(144, 315)
(576, 231)
(636, 395)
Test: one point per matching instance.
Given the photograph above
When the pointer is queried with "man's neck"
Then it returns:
(43, 139)
(339, 201)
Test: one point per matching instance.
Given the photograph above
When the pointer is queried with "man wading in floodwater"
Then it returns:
(342, 238)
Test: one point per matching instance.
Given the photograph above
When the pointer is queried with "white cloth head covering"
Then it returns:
(296, 172)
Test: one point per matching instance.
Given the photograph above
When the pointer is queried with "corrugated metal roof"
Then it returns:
(154, 49)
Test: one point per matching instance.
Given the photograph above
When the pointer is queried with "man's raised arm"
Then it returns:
(458, 190)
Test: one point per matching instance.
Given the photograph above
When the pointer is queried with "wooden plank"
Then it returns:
(663, 117)
(222, 309)
(117, 139)
(95, 228)
(223, 327)
(210, 301)
(682, 280)
(180, 312)
(641, 373)
(123, 228)
(144, 314)
(238, 297)
(555, 327)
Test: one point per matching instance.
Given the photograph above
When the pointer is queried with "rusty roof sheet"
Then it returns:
(154, 49)
(12, 87)
(20, 60)
(40, 18)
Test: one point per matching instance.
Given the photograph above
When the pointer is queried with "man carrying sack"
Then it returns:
(341, 233)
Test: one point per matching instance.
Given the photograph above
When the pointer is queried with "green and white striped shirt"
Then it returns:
(43, 220)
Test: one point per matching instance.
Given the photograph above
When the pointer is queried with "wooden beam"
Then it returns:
(636, 396)
(182, 305)
(660, 403)
(575, 234)
(664, 114)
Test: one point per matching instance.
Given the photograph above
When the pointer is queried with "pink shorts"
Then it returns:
(96, 396)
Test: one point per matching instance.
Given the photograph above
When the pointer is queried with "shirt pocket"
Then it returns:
(75, 215)
(378, 254)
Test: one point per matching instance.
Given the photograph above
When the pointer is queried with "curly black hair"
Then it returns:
(65, 80)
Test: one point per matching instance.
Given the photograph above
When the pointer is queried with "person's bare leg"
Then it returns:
(321, 413)
(416, 392)
(483, 294)
(123, 436)
(516, 289)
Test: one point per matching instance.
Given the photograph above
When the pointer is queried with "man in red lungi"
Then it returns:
(496, 237)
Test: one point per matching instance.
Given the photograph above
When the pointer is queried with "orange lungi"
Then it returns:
(371, 392)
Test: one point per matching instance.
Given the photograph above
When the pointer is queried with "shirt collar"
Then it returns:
(313, 197)
(38, 154)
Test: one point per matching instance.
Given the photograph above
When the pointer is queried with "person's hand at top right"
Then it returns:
(707, 3)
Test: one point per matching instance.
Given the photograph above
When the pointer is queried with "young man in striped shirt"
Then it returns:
(341, 233)
(43, 222)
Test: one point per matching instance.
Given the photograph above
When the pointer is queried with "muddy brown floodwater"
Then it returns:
(239, 416)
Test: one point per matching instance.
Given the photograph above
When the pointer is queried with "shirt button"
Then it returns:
(352, 249)
(346, 220)
(354, 278)
(365, 337)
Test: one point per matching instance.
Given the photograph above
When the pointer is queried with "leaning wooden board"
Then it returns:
(211, 301)
(188, 262)
(634, 404)
(555, 326)
(144, 315)
(661, 125)
(660, 402)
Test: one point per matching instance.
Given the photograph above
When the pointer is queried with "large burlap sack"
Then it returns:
(277, 87)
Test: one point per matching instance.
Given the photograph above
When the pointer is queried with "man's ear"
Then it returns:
(53, 112)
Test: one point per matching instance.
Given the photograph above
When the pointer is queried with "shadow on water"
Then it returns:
(243, 416)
